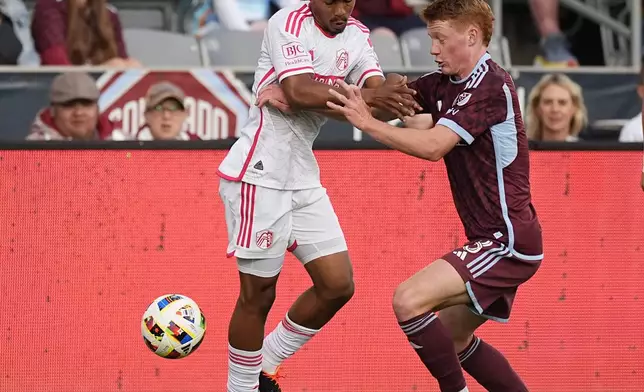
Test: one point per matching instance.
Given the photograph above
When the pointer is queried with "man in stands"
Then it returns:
(73, 111)
(165, 114)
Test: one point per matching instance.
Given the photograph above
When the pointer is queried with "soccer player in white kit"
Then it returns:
(270, 183)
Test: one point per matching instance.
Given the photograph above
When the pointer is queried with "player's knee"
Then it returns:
(338, 292)
(403, 303)
(257, 298)
(409, 302)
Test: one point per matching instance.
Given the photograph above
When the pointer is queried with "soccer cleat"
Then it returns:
(269, 382)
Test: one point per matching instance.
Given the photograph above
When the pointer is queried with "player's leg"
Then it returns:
(246, 330)
(258, 236)
(483, 362)
(433, 288)
(323, 251)
(332, 277)
(479, 275)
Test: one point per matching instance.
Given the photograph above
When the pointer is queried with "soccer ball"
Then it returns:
(173, 326)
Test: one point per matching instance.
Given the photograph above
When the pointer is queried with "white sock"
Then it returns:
(283, 342)
(243, 370)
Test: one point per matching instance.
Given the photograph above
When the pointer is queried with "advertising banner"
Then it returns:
(92, 237)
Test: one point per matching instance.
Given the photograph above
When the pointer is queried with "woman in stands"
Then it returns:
(79, 32)
(556, 110)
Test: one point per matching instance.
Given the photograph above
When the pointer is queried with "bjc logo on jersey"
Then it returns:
(342, 60)
(293, 50)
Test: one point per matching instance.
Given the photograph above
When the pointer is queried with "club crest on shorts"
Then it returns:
(264, 239)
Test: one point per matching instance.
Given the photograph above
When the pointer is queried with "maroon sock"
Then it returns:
(433, 344)
(490, 368)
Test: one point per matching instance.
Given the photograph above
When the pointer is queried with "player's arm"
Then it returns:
(379, 111)
(469, 118)
(385, 96)
(304, 93)
(373, 83)
(422, 119)
(430, 144)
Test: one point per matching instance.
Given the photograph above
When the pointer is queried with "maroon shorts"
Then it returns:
(492, 275)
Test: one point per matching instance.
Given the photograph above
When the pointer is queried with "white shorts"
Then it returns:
(264, 223)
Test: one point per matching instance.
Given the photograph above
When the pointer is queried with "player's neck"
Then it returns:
(472, 64)
(325, 31)
(553, 135)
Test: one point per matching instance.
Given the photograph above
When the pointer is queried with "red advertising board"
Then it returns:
(90, 238)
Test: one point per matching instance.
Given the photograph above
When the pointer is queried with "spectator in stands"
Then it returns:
(393, 17)
(556, 110)
(16, 44)
(73, 113)
(246, 14)
(10, 46)
(165, 114)
(632, 130)
(554, 45)
(79, 32)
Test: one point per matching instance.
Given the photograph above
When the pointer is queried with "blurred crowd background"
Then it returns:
(187, 64)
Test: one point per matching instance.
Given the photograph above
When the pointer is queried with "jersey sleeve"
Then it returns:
(367, 65)
(287, 48)
(478, 108)
(425, 87)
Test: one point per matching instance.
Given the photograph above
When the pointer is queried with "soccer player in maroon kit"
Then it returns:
(471, 119)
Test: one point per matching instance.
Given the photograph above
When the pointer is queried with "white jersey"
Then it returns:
(275, 149)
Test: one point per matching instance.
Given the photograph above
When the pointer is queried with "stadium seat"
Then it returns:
(387, 48)
(499, 49)
(154, 48)
(232, 48)
(166, 9)
(416, 50)
(151, 19)
(415, 44)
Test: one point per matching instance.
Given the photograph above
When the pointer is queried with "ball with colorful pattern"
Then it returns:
(173, 326)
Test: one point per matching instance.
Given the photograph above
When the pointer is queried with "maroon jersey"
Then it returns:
(489, 169)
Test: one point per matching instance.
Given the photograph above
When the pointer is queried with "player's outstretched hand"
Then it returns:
(353, 107)
(395, 97)
(273, 95)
